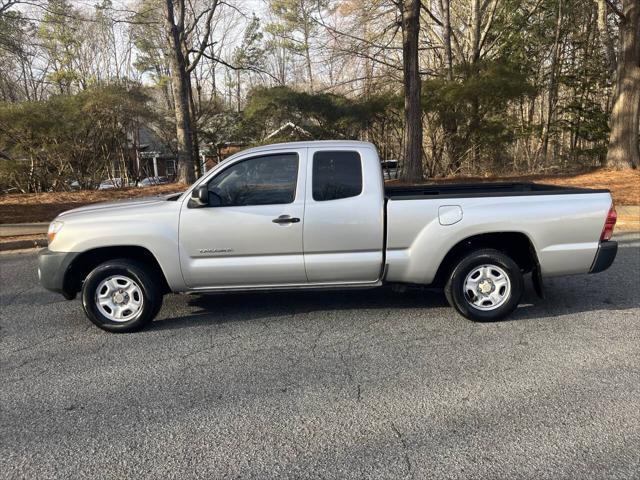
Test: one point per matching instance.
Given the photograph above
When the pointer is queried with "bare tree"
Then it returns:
(179, 34)
(552, 91)
(174, 30)
(605, 37)
(412, 171)
(450, 124)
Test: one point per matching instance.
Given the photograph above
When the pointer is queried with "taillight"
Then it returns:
(607, 231)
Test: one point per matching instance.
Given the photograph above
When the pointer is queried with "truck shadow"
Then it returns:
(241, 307)
(614, 289)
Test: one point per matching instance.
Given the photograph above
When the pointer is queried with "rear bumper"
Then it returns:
(605, 256)
(52, 271)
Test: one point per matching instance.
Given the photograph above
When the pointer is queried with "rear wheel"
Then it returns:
(120, 296)
(485, 285)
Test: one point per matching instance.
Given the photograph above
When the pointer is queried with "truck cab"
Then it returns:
(285, 217)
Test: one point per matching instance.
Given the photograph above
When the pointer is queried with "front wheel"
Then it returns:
(485, 285)
(121, 296)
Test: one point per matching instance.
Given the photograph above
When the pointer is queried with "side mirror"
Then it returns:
(200, 196)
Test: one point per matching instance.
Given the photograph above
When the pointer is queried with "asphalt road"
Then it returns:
(366, 384)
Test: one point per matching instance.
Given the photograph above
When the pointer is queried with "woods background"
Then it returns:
(446, 87)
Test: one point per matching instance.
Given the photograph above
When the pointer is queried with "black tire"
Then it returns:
(454, 290)
(133, 270)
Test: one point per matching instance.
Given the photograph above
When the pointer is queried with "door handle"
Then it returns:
(282, 219)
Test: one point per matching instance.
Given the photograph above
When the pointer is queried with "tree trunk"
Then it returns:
(309, 67)
(450, 123)
(605, 38)
(625, 116)
(180, 86)
(553, 87)
(195, 141)
(446, 39)
(238, 90)
(412, 171)
(476, 23)
(307, 51)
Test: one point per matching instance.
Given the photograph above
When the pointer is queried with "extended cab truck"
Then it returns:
(318, 215)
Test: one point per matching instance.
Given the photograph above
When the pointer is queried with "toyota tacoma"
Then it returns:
(318, 215)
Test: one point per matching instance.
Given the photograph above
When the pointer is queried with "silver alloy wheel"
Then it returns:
(119, 298)
(487, 287)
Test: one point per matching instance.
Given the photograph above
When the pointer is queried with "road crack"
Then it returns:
(403, 442)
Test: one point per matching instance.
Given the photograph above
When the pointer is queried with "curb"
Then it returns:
(23, 244)
(18, 229)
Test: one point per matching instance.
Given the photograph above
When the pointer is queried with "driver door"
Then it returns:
(250, 233)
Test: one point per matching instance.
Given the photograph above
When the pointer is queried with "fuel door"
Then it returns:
(449, 214)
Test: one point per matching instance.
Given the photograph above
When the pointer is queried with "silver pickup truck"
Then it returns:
(318, 215)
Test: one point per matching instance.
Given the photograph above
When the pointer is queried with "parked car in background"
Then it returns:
(151, 181)
(318, 215)
(112, 183)
(389, 169)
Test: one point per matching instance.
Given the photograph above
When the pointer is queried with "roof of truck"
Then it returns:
(312, 144)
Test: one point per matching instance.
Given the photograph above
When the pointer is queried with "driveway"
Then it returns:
(361, 384)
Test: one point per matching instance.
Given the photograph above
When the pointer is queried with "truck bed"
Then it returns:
(462, 190)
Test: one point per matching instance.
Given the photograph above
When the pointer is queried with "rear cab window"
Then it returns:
(336, 175)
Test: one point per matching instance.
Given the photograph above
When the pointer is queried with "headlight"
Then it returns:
(54, 228)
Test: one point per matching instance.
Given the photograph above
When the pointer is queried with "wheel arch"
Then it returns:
(89, 259)
(516, 245)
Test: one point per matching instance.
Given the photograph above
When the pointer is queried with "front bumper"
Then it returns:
(52, 271)
(605, 256)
